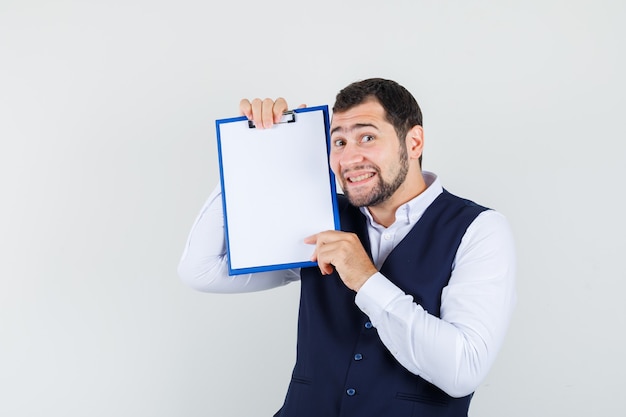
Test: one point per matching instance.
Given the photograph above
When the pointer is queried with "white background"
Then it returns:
(108, 151)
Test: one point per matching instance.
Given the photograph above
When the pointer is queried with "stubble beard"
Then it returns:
(382, 190)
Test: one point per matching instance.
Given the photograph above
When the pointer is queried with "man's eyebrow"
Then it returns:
(353, 127)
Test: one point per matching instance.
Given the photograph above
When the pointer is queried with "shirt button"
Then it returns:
(351, 391)
(368, 325)
(358, 357)
(387, 236)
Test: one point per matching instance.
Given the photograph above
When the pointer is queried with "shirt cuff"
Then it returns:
(375, 295)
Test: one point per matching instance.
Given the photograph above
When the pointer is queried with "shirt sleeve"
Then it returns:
(204, 262)
(454, 351)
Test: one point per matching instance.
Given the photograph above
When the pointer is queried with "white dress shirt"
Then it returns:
(454, 351)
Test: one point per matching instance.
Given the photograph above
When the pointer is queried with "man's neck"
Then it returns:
(385, 212)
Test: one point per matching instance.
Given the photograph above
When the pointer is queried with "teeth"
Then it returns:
(361, 177)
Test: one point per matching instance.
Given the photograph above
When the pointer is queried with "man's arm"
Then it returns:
(204, 263)
(455, 351)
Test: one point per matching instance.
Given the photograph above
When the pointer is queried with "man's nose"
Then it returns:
(350, 155)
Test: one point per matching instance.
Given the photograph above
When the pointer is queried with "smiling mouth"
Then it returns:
(361, 177)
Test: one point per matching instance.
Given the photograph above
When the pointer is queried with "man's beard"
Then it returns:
(382, 190)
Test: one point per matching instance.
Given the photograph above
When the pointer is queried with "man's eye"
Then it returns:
(367, 138)
(339, 142)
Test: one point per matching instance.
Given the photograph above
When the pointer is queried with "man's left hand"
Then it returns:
(344, 252)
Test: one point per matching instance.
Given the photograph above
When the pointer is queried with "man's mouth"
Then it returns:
(361, 177)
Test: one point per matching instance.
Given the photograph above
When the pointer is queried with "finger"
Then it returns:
(268, 113)
(323, 256)
(310, 240)
(302, 106)
(326, 269)
(257, 112)
(328, 236)
(280, 106)
(325, 265)
(245, 108)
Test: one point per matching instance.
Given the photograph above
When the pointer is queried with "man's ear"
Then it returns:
(415, 142)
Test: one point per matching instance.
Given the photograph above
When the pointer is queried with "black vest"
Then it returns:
(342, 367)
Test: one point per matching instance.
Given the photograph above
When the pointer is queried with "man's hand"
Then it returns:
(344, 252)
(264, 113)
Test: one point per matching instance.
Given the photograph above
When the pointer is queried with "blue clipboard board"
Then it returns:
(277, 189)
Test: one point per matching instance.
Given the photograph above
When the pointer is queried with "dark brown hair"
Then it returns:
(401, 108)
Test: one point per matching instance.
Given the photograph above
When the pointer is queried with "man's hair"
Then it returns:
(401, 108)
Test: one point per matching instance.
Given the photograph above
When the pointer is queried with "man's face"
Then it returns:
(366, 155)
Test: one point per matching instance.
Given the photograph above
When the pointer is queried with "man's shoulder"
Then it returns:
(447, 198)
(480, 216)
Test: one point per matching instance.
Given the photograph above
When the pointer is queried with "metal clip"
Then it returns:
(287, 117)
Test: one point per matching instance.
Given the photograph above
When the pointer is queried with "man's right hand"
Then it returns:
(264, 113)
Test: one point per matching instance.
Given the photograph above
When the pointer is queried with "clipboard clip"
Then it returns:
(288, 117)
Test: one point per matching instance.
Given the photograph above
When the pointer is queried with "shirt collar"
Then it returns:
(411, 211)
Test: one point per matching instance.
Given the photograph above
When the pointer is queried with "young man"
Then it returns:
(411, 300)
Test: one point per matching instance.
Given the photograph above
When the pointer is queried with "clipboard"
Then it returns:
(277, 189)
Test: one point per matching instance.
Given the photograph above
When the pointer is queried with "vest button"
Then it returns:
(351, 392)
(358, 357)
(368, 325)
